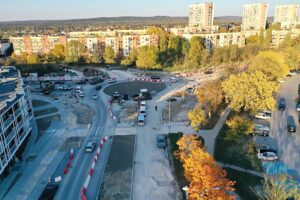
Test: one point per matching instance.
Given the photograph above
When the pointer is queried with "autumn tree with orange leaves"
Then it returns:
(206, 180)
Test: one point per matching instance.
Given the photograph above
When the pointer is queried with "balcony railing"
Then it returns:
(8, 121)
(10, 136)
(17, 112)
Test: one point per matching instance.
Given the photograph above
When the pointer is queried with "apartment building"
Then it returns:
(286, 13)
(15, 115)
(108, 33)
(278, 36)
(4, 46)
(201, 15)
(217, 40)
(255, 16)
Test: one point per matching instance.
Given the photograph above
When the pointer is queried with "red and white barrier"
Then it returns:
(92, 169)
(147, 80)
(110, 110)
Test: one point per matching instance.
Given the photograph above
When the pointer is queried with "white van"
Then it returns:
(141, 120)
(142, 111)
(90, 146)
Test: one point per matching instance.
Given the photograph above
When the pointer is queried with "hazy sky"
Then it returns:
(11, 10)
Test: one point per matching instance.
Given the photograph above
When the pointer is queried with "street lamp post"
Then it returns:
(169, 126)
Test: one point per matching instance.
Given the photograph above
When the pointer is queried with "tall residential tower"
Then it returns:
(201, 15)
(286, 13)
(255, 16)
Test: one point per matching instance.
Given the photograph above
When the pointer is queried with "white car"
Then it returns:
(81, 94)
(173, 80)
(267, 156)
(95, 97)
(262, 115)
(143, 103)
(112, 81)
(261, 130)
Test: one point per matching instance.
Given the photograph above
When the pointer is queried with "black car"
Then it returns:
(265, 148)
(282, 104)
(154, 77)
(291, 127)
(98, 87)
(171, 99)
(161, 141)
(298, 88)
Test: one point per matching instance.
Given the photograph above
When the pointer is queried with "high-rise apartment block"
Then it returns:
(15, 115)
(286, 13)
(201, 15)
(255, 16)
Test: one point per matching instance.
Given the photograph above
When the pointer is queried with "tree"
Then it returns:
(271, 63)
(250, 91)
(147, 58)
(59, 52)
(279, 188)
(210, 95)
(131, 59)
(197, 117)
(292, 58)
(206, 179)
(162, 35)
(73, 51)
(32, 59)
(109, 55)
(239, 126)
(197, 55)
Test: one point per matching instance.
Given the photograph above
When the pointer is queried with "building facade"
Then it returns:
(278, 36)
(255, 16)
(201, 15)
(15, 114)
(286, 13)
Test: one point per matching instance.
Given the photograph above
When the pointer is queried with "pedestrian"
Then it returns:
(155, 108)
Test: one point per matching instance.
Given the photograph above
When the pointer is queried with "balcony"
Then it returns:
(13, 149)
(17, 112)
(10, 137)
(8, 121)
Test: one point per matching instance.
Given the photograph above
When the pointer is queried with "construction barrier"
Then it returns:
(92, 169)
(147, 80)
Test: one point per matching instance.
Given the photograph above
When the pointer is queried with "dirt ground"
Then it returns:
(84, 113)
(71, 142)
(128, 112)
(179, 109)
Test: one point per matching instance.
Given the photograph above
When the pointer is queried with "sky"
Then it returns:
(19, 10)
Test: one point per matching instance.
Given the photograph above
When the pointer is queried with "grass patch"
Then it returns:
(43, 124)
(176, 164)
(45, 112)
(38, 103)
(240, 153)
(244, 183)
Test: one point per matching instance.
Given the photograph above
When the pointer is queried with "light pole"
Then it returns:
(169, 126)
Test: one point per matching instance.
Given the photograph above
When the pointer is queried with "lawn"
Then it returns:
(45, 112)
(240, 153)
(38, 103)
(245, 183)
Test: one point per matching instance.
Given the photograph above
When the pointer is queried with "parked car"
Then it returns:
(95, 97)
(141, 120)
(81, 94)
(261, 130)
(264, 148)
(98, 87)
(155, 77)
(171, 99)
(267, 156)
(298, 107)
(90, 146)
(282, 104)
(298, 88)
(262, 115)
(112, 81)
(143, 103)
(173, 80)
(142, 111)
(291, 126)
(161, 141)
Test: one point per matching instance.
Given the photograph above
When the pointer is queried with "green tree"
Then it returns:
(197, 117)
(250, 91)
(197, 55)
(292, 58)
(239, 126)
(109, 55)
(58, 52)
(163, 37)
(279, 188)
(32, 59)
(73, 51)
(147, 58)
(271, 64)
(131, 59)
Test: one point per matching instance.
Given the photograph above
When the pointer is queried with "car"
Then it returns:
(264, 148)
(155, 77)
(299, 88)
(142, 111)
(261, 130)
(81, 94)
(95, 97)
(143, 103)
(210, 71)
(112, 81)
(98, 87)
(161, 141)
(282, 104)
(292, 73)
(262, 115)
(173, 80)
(267, 156)
(171, 99)
(141, 120)
(90, 146)
(291, 126)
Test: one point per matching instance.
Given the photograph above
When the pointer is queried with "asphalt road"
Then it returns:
(288, 143)
(72, 184)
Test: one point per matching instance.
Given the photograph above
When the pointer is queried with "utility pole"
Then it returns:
(169, 126)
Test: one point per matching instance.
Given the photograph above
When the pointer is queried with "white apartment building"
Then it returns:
(278, 36)
(15, 114)
(255, 16)
(201, 15)
(127, 44)
(217, 40)
(91, 44)
(286, 13)
(18, 44)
